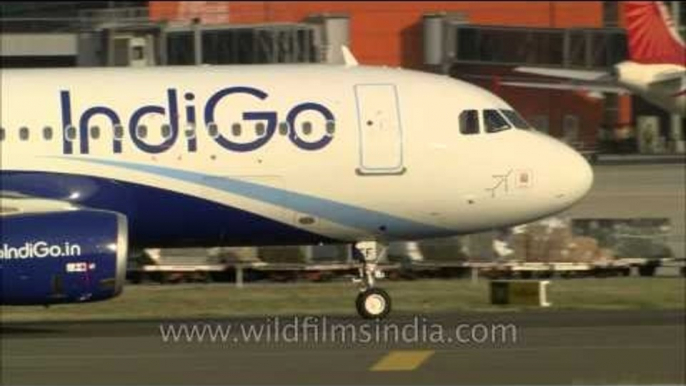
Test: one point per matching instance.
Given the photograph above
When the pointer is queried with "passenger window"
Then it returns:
(516, 119)
(330, 127)
(47, 133)
(190, 131)
(118, 131)
(213, 130)
(236, 129)
(283, 128)
(494, 122)
(95, 132)
(469, 122)
(142, 131)
(70, 133)
(307, 128)
(166, 131)
(24, 133)
(259, 129)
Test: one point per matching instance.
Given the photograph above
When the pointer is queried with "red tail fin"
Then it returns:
(652, 36)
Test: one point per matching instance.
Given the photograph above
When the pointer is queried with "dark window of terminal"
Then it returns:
(610, 13)
(589, 47)
(180, 48)
(468, 44)
(225, 46)
(259, 45)
(138, 53)
(592, 48)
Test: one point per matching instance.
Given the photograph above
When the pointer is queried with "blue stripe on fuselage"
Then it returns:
(159, 217)
(337, 212)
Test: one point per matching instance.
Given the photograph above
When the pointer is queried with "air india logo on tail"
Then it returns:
(651, 34)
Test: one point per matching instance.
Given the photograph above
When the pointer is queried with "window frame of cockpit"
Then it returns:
(497, 129)
(518, 122)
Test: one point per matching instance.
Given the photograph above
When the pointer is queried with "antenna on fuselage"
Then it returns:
(348, 57)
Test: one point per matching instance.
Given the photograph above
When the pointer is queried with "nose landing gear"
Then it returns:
(371, 302)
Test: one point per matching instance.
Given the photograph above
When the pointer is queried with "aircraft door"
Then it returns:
(381, 146)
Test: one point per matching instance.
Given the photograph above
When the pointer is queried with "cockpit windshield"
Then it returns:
(516, 119)
(494, 122)
(469, 122)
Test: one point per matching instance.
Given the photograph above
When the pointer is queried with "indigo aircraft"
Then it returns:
(97, 162)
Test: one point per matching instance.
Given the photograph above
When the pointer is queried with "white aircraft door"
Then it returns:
(381, 142)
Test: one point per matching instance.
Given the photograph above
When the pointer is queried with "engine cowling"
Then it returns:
(62, 257)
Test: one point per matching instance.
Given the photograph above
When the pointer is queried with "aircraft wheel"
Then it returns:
(373, 303)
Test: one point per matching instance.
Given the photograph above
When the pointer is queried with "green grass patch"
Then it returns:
(425, 296)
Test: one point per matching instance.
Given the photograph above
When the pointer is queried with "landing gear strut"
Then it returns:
(371, 302)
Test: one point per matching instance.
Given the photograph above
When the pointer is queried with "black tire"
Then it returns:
(136, 278)
(373, 303)
(647, 270)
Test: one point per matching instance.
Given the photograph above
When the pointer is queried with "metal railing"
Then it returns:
(82, 20)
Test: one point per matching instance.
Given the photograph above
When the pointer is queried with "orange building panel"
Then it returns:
(389, 33)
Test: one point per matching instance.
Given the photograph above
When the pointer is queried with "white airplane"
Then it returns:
(95, 161)
(655, 72)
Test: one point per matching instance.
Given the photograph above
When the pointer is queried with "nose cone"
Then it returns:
(581, 177)
(574, 176)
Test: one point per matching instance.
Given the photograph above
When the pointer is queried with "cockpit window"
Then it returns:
(516, 119)
(469, 122)
(494, 122)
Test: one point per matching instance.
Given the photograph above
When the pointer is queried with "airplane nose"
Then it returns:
(584, 177)
(576, 177)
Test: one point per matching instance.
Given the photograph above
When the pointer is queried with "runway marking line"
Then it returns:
(402, 360)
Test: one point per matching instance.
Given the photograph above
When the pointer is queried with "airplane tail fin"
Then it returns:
(652, 36)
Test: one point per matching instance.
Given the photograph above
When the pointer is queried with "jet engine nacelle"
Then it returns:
(62, 257)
